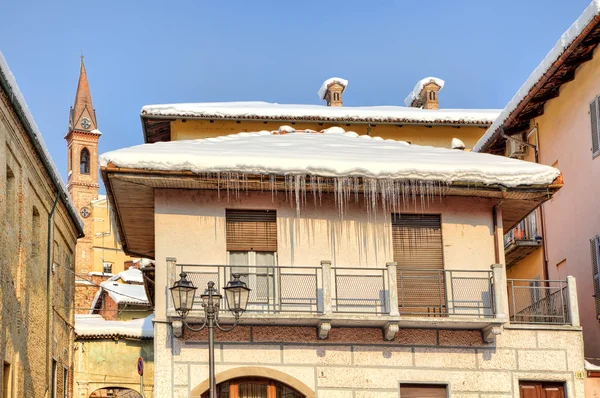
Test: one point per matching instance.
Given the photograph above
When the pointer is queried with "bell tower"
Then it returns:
(82, 151)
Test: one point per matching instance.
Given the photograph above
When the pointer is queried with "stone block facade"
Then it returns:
(27, 194)
(357, 362)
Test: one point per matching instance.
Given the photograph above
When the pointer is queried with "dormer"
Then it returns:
(332, 90)
(425, 95)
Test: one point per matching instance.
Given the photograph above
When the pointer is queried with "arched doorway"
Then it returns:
(115, 392)
(254, 387)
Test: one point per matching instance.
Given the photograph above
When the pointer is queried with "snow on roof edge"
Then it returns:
(95, 326)
(591, 11)
(326, 84)
(43, 152)
(414, 94)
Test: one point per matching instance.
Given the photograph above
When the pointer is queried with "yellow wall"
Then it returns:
(105, 246)
(436, 135)
(530, 267)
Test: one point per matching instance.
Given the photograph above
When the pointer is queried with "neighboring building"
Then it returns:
(38, 232)
(553, 120)
(429, 126)
(371, 261)
(111, 338)
(98, 254)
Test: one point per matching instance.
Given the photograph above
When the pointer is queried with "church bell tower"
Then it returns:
(82, 151)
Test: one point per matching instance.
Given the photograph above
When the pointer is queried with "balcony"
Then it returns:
(387, 297)
(522, 240)
(541, 302)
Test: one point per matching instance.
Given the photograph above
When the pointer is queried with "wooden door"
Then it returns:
(531, 389)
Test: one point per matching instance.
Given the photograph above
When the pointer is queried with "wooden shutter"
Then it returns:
(251, 230)
(417, 240)
(595, 118)
(533, 389)
(595, 248)
(418, 250)
(422, 391)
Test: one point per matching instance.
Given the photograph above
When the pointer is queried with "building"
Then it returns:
(376, 266)
(553, 120)
(98, 255)
(110, 339)
(40, 228)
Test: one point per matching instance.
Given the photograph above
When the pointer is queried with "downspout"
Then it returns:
(48, 306)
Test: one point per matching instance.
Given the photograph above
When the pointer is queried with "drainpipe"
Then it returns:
(48, 305)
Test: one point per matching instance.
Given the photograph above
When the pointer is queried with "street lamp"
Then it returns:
(183, 292)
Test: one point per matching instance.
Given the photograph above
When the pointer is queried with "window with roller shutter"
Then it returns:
(595, 121)
(423, 391)
(418, 251)
(595, 250)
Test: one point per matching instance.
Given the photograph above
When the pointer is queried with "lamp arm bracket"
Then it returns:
(221, 328)
(193, 329)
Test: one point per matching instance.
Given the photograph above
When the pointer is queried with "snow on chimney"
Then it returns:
(425, 94)
(331, 91)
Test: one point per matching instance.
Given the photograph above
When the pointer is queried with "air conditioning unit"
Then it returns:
(515, 149)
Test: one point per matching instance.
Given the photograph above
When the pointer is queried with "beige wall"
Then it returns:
(104, 240)
(23, 256)
(422, 135)
(573, 215)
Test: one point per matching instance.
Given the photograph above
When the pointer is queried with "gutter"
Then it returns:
(64, 195)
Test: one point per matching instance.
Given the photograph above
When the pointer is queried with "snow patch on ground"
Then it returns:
(334, 153)
(559, 48)
(419, 87)
(96, 325)
(327, 82)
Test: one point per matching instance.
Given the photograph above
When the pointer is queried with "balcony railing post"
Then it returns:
(171, 278)
(393, 288)
(573, 303)
(499, 291)
(327, 287)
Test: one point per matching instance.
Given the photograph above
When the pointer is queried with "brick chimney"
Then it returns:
(425, 94)
(332, 90)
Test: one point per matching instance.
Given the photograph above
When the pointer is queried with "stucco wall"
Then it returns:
(190, 226)
(573, 215)
(357, 363)
(421, 135)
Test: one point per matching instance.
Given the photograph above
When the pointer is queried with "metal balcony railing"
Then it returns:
(527, 229)
(343, 290)
(534, 301)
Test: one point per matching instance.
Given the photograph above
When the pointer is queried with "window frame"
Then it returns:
(86, 152)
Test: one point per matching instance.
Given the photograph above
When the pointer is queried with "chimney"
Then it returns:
(425, 94)
(331, 91)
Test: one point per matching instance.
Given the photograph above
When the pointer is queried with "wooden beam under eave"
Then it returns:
(535, 112)
(547, 96)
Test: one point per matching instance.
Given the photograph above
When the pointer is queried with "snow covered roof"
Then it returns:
(413, 95)
(143, 262)
(332, 153)
(95, 326)
(124, 293)
(366, 114)
(574, 31)
(329, 81)
(15, 95)
(132, 275)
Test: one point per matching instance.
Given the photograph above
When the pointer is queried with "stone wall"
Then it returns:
(357, 362)
(26, 198)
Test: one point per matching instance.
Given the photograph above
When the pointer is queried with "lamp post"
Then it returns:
(183, 292)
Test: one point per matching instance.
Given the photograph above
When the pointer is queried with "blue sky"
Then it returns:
(145, 52)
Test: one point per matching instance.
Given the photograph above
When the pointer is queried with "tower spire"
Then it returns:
(83, 116)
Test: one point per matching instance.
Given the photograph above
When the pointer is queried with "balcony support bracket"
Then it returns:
(390, 330)
(323, 329)
(177, 328)
(490, 332)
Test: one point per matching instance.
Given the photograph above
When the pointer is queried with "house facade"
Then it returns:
(39, 230)
(553, 120)
(376, 266)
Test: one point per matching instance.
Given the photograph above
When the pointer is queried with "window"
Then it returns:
(53, 389)
(432, 95)
(418, 250)
(107, 268)
(35, 233)
(536, 389)
(255, 388)
(11, 197)
(65, 383)
(252, 248)
(422, 390)
(84, 161)
(595, 249)
(595, 120)
(336, 96)
(6, 381)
